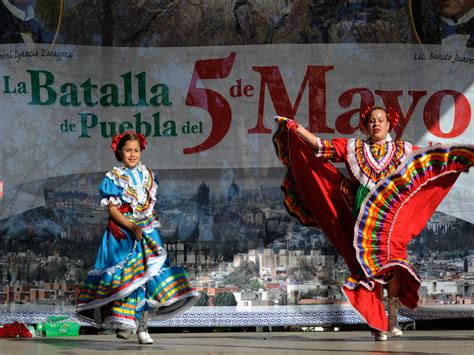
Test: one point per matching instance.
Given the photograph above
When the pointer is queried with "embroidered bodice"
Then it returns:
(136, 187)
(368, 163)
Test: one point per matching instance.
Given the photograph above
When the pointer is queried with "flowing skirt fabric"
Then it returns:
(392, 214)
(130, 277)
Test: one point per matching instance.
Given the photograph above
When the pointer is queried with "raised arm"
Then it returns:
(308, 137)
(335, 149)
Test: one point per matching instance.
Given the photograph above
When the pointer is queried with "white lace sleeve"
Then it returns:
(115, 200)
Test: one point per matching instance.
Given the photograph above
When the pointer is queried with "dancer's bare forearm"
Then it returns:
(310, 138)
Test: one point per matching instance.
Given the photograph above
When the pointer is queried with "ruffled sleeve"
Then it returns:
(110, 192)
(335, 149)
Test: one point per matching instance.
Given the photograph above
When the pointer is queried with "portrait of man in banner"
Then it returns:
(20, 23)
(449, 22)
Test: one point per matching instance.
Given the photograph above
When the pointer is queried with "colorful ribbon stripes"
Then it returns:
(171, 284)
(421, 182)
(105, 284)
(125, 308)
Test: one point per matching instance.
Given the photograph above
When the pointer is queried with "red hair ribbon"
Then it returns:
(393, 117)
(118, 137)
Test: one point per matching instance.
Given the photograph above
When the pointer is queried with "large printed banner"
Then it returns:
(213, 107)
(208, 113)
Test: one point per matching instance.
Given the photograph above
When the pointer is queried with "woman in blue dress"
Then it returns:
(132, 278)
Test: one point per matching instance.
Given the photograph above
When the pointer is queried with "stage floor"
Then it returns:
(355, 342)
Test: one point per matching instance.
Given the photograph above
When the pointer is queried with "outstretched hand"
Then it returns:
(284, 121)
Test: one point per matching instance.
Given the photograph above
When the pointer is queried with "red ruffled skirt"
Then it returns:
(392, 214)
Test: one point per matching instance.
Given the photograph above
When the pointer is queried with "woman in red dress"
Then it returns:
(370, 216)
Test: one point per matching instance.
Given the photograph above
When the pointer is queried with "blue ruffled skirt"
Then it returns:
(131, 276)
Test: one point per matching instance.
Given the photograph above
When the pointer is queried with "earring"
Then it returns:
(388, 137)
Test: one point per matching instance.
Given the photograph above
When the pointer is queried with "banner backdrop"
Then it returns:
(212, 107)
(207, 113)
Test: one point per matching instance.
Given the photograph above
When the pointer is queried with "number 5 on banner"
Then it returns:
(211, 101)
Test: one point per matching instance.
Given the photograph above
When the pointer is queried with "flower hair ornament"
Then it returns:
(118, 137)
(364, 114)
(393, 117)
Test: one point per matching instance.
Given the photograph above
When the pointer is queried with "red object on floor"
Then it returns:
(15, 329)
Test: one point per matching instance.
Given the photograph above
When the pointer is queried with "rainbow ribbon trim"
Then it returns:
(373, 229)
